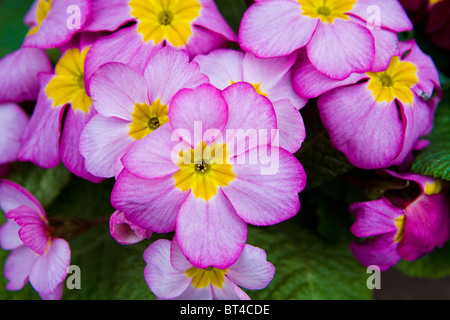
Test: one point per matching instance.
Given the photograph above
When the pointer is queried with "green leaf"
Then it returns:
(12, 28)
(434, 160)
(322, 162)
(308, 267)
(44, 184)
(433, 266)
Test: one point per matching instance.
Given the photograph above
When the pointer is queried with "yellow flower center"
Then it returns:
(42, 11)
(394, 82)
(400, 223)
(203, 170)
(165, 19)
(327, 10)
(147, 119)
(67, 86)
(433, 188)
(201, 278)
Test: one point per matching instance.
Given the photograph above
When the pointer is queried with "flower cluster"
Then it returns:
(199, 139)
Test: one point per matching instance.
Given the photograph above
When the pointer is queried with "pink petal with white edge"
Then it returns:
(30, 18)
(108, 16)
(13, 196)
(126, 46)
(252, 270)
(222, 66)
(203, 41)
(229, 291)
(33, 231)
(116, 88)
(19, 70)
(278, 174)
(418, 122)
(381, 251)
(9, 235)
(169, 71)
(386, 45)
(17, 267)
(341, 48)
(13, 121)
(177, 258)
(274, 77)
(125, 232)
(275, 28)
(193, 293)
(65, 18)
(50, 269)
(310, 83)
(369, 133)
(75, 122)
(102, 142)
(251, 119)
(41, 136)
(210, 233)
(427, 72)
(211, 19)
(156, 155)
(150, 204)
(164, 281)
(392, 15)
(55, 295)
(291, 128)
(199, 112)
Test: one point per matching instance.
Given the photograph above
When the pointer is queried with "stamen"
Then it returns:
(165, 17)
(324, 11)
(154, 123)
(202, 167)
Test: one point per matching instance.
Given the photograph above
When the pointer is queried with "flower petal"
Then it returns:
(222, 66)
(70, 144)
(41, 136)
(169, 71)
(380, 251)
(251, 118)
(9, 235)
(108, 16)
(102, 142)
(369, 133)
(17, 267)
(164, 281)
(125, 46)
(392, 14)
(374, 218)
(151, 204)
(116, 88)
(341, 48)
(275, 28)
(309, 82)
(13, 196)
(19, 70)
(211, 19)
(197, 112)
(278, 174)
(252, 270)
(290, 124)
(65, 18)
(210, 233)
(229, 291)
(125, 232)
(13, 121)
(427, 225)
(50, 269)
